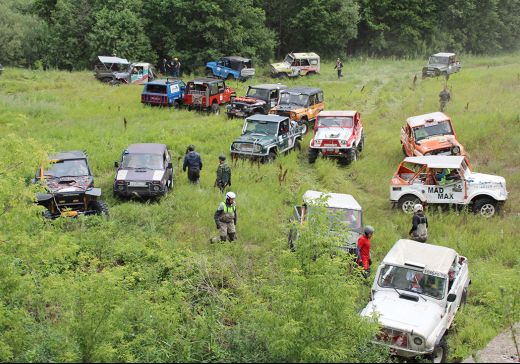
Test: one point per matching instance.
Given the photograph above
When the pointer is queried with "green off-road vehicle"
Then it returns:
(264, 137)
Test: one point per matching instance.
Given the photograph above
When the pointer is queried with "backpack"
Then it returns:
(422, 231)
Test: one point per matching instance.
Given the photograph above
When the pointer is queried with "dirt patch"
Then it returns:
(501, 349)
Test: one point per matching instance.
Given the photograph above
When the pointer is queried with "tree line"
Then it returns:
(70, 34)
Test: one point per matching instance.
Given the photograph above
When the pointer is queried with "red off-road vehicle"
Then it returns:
(207, 94)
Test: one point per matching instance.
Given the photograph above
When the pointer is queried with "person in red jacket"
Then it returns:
(363, 246)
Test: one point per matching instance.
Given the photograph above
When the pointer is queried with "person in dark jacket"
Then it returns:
(363, 250)
(419, 231)
(223, 174)
(339, 67)
(193, 163)
(226, 218)
(444, 98)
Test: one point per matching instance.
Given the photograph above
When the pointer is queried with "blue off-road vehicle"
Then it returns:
(235, 67)
(163, 93)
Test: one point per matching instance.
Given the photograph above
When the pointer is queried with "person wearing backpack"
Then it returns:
(419, 231)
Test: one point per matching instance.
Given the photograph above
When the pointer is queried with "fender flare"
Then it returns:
(477, 195)
(93, 192)
(412, 193)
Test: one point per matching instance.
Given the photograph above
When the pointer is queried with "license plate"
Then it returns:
(137, 184)
(330, 149)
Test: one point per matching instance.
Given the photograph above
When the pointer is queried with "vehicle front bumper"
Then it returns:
(332, 152)
(238, 113)
(139, 192)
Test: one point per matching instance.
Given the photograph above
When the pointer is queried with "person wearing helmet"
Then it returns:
(419, 231)
(223, 174)
(226, 218)
(363, 250)
(193, 162)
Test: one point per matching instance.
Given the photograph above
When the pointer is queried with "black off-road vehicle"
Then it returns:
(70, 187)
(258, 100)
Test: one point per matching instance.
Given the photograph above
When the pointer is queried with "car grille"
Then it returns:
(394, 338)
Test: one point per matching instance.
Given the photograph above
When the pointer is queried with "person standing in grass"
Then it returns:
(444, 98)
(339, 67)
(419, 230)
(363, 250)
(193, 163)
(226, 218)
(223, 174)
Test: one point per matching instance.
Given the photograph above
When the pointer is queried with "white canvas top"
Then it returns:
(349, 113)
(141, 64)
(442, 54)
(305, 55)
(115, 60)
(438, 161)
(419, 120)
(434, 258)
(336, 200)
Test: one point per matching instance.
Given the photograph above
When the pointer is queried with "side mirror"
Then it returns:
(116, 164)
(170, 166)
(452, 297)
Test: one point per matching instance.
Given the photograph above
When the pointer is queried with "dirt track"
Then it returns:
(500, 350)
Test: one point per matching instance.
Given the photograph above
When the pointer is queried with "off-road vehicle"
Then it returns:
(430, 134)
(301, 104)
(441, 64)
(337, 134)
(145, 170)
(259, 99)
(239, 68)
(106, 67)
(264, 137)
(169, 92)
(115, 70)
(70, 187)
(446, 180)
(338, 205)
(207, 94)
(416, 294)
(297, 64)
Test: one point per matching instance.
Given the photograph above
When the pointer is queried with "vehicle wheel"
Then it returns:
(270, 157)
(311, 73)
(407, 202)
(176, 105)
(115, 82)
(361, 144)
(101, 208)
(464, 297)
(215, 109)
(352, 155)
(297, 145)
(404, 151)
(305, 126)
(440, 352)
(313, 155)
(485, 206)
(106, 80)
(47, 214)
(230, 117)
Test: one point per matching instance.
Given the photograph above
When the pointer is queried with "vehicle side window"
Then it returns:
(221, 87)
(314, 62)
(296, 63)
(305, 62)
(274, 95)
(319, 97)
(284, 127)
(408, 131)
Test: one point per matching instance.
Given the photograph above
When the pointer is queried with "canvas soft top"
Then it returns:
(113, 60)
(336, 200)
(267, 118)
(205, 80)
(305, 55)
(164, 81)
(420, 120)
(438, 161)
(443, 54)
(146, 148)
(303, 90)
(237, 58)
(430, 257)
(270, 86)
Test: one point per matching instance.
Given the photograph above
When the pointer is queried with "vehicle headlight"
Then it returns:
(273, 111)
(293, 115)
(257, 148)
(427, 153)
(343, 142)
(418, 341)
(317, 142)
(234, 146)
(455, 150)
(121, 187)
(156, 187)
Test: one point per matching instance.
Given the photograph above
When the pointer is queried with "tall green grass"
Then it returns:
(131, 265)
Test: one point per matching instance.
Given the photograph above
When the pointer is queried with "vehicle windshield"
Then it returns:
(261, 127)
(432, 129)
(336, 121)
(156, 89)
(148, 161)
(438, 60)
(74, 167)
(295, 99)
(412, 280)
(199, 87)
(288, 59)
(258, 93)
(350, 217)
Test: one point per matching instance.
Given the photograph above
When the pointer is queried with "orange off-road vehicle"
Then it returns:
(430, 134)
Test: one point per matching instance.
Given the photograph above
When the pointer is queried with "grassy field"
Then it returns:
(57, 270)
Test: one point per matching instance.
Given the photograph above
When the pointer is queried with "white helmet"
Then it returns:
(418, 207)
(231, 195)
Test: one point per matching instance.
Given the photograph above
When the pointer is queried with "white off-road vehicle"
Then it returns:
(446, 180)
(417, 291)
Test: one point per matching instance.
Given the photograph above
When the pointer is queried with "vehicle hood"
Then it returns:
(333, 133)
(211, 64)
(485, 180)
(281, 66)
(420, 317)
(436, 65)
(121, 75)
(139, 174)
(69, 184)
(256, 139)
(289, 107)
(437, 142)
(249, 101)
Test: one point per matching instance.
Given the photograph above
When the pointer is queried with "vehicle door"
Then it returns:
(448, 190)
(304, 66)
(407, 139)
(219, 69)
(457, 277)
(273, 99)
(174, 92)
(317, 106)
(284, 135)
